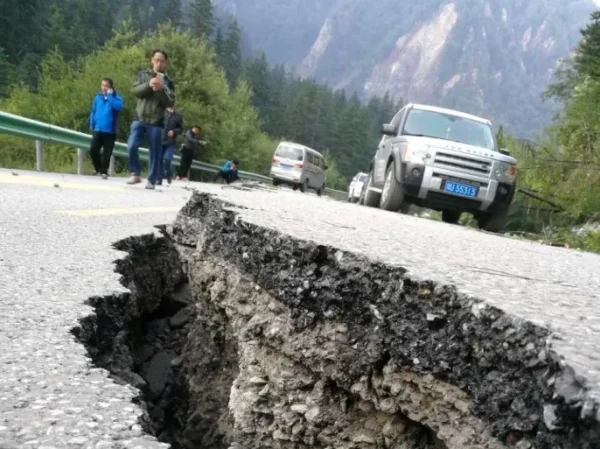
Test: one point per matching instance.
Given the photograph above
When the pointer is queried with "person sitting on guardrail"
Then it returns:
(103, 123)
(229, 172)
(191, 143)
(155, 92)
(173, 128)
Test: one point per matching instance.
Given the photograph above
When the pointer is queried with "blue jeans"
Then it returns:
(167, 155)
(136, 136)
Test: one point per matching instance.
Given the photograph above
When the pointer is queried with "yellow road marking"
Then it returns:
(117, 211)
(56, 183)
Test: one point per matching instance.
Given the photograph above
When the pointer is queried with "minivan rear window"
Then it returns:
(296, 154)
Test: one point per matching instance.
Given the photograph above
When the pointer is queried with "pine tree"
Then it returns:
(232, 54)
(257, 75)
(170, 11)
(201, 18)
(587, 57)
(7, 73)
(220, 48)
(276, 104)
(500, 138)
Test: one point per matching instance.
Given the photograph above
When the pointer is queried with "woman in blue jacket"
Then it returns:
(103, 123)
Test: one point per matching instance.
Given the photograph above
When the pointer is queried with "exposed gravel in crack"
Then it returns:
(291, 344)
(516, 385)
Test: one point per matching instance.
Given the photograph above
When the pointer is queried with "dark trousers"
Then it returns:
(229, 177)
(100, 140)
(168, 153)
(155, 136)
(187, 156)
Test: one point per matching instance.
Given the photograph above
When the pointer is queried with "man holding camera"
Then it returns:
(155, 92)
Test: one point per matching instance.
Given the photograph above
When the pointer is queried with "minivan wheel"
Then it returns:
(392, 195)
(304, 186)
(370, 198)
(451, 216)
(321, 190)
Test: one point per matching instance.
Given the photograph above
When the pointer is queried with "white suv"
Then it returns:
(356, 187)
(445, 160)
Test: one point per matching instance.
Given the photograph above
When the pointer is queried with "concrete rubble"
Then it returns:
(240, 336)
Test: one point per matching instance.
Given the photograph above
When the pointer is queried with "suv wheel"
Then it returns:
(392, 195)
(493, 222)
(370, 198)
(451, 216)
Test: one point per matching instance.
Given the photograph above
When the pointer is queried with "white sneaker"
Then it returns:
(134, 180)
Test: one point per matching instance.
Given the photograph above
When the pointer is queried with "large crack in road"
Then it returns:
(241, 336)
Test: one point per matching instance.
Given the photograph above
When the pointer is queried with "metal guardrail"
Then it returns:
(43, 132)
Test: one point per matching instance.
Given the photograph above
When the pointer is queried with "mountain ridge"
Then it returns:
(474, 55)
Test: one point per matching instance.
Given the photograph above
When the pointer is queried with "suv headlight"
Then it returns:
(416, 155)
(505, 171)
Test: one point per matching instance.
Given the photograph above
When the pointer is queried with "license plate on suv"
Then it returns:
(461, 189)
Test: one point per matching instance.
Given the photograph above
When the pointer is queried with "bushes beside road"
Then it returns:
(66, 89)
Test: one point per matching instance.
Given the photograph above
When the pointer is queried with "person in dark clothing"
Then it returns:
(155, 92)
(229, 172)
(103, 123)
(173, 128)
(191, 143)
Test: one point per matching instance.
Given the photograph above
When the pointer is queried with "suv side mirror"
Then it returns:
(505, 151)
(388, 129)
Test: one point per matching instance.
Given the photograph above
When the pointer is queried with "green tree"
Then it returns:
(201, 18)
(7, 74)
(587, 56)
(219, 45)
(500, 138)
(257, 74)
(231, 55)
(170, 12)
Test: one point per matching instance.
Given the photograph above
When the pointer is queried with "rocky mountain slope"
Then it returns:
(490, 58)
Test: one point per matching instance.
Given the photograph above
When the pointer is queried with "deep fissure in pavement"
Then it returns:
(239, 336)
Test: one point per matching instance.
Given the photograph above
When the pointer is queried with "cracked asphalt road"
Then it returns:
(55, 252)
(554, 287)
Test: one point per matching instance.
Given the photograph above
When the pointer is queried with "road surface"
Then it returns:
(55, 252)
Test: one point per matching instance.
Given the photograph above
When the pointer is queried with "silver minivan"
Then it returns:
(298, 166)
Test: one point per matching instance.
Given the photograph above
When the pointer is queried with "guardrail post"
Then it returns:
(79, 161)
(39, 155)
(111, 165)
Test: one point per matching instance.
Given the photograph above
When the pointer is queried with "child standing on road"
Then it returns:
(191, 143)
(173, 128)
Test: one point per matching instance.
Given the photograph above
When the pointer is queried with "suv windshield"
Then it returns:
(296, 154)
(362, 178)
(449, 127)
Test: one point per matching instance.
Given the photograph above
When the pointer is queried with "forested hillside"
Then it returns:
(491, 58)
(56, 52)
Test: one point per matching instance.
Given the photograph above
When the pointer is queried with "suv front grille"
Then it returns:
(463, 162)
